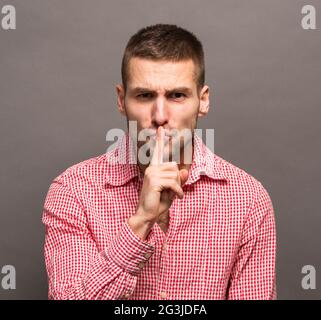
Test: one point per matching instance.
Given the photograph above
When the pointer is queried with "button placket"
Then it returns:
(164, 247)
(147, 255)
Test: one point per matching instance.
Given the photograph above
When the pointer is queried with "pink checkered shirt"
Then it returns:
(220, 243)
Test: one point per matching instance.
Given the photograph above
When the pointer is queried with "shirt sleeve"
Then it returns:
(75, 267)
(253, 274)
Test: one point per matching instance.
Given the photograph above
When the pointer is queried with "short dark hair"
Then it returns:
(165, 42)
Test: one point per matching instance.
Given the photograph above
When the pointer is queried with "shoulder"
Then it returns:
(240, 182)
(90, 170)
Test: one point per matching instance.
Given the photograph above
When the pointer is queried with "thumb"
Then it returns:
(183, 176)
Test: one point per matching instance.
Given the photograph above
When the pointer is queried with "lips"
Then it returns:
(166, 137)
(166, 134)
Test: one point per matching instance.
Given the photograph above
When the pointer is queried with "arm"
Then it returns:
(75, 267)
(253, 273)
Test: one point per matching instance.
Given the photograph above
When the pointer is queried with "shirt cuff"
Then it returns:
(130, 252)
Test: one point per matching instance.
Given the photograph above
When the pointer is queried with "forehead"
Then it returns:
(160, 74)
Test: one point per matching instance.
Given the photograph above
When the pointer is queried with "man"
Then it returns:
(160, 229)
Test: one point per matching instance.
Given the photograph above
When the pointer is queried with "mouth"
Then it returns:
(166, 134)
(167, 137)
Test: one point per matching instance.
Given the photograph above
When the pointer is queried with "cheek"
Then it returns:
(185, 116)
(138, 113)
(133, 110)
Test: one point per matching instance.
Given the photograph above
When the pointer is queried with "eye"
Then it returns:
(145, 95)
(177, 96)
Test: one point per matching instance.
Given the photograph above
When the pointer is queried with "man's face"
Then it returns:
(163, 93)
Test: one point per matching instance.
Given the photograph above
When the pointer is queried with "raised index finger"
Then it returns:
(157, 157)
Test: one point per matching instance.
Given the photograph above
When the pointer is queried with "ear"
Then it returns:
(121, 99)
(204, 101)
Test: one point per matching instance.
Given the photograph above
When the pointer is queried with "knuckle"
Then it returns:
(172, 184)
(176, 185)
(170, 165)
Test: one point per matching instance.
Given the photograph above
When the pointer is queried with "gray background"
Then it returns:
(57, 76)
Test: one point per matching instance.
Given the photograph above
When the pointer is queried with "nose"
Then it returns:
(160, 112)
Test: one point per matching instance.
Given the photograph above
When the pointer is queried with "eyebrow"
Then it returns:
(142, 89)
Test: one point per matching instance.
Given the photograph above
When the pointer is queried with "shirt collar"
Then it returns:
(122, 164)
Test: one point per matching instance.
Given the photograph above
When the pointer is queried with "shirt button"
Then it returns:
(141, 265)
(163, 294)
(126, 295)
(147, 255)
(164, 246)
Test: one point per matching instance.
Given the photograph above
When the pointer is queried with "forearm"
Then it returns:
(78, 271)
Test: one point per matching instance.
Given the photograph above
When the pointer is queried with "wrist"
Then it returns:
(140, 225)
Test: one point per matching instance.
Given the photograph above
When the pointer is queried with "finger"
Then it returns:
(168, 195)
(174, 186)
(174, 175)
(171, 195)
(169, 166)
(183, 176)
(157, 157)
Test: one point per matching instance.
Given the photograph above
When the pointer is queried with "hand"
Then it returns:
(162, 181)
